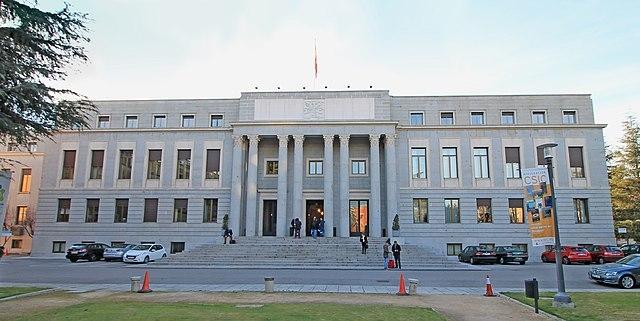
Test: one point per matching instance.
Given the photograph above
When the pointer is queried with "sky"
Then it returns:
(146, 49)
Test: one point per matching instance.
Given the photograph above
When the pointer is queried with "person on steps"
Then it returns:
(385, 253)
(364, 241)
(396, 253)
(228, 234)
(298, 226)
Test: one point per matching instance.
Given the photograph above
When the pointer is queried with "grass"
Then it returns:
(138, 311)
(602, 306)
(11, 291)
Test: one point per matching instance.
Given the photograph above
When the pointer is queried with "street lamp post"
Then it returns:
(562, 298)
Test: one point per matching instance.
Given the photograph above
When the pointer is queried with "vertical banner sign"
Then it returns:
(538, 203)
(5, 180)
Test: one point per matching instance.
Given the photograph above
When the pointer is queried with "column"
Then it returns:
(281, 220)
(296, 196)
(328, 185)
(374, 174)
(344, 185)
(392, 203)
(236, 185)
(252, 185)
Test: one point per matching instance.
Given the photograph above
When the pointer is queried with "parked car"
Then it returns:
(477, 254)
(506, 254)
(116, 252)
(624, 273)
(605, 253)
(570, 254)
(630, 249)
(86, 251)
(144, 253)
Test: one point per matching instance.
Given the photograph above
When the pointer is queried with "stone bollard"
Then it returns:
(135, 283)
(268, 284)
(413, 286)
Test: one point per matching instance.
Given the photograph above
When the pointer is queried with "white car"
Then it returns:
(144, 253)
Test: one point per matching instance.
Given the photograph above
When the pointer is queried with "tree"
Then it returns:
(624, 174)
(36, 50)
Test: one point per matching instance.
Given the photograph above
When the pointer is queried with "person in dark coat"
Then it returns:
(386, 250)
(396, 253)
(228, 233)
(364, 241)
(298, 226)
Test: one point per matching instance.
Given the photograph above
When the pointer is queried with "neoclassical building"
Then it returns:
(449, 166)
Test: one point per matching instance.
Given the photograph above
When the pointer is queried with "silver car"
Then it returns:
(116, 252)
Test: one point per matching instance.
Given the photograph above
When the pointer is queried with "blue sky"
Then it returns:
(208, 49)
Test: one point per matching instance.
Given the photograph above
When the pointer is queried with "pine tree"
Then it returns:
(624, 174)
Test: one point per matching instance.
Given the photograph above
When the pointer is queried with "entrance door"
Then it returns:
(315, 213)
(269, 216)
(358, 217)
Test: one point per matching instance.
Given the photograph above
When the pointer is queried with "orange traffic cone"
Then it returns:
(402, 290)
(145, 283)
(489, 290)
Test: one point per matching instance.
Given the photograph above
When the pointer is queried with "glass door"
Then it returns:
(269, 217)
(359, 217)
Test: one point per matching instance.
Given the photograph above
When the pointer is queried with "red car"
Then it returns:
(570, 254)
(605, 253)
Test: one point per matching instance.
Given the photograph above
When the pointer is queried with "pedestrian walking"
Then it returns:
(298, 226)
(396, 253)
(364, 241)
(385, 253)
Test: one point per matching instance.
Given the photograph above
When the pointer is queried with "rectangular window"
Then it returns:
(25, 180)
(68, 164)
(508, 118)
(64, 207)
(210, 214)
(582, 210)
(315, 167)
(477, 118)
(159, 121)
(271, 167)
(490, 246)
(93, 206)
(131, 121)
(450, 162)
(122, 210)
(16, 244)
(512, 166)
(540, 156)
(569, 117)
(416, 118)
(188, 121)
(446, 118)
(452, 210)
(126, 162)
(154, 164)
(576, 162)
(59, 247)
(358, 167)
(215, 121)
(177, 247)
(539, 117)
(420, 210)
(97, 161)
(481, 162)
(453, 249)
(180, 210)
(516, 211)
(483, 210)
(150, 210)
(21, 215)
(213, 164)
(418, 162)
(184, 164)
(103, 121)
(117, 244)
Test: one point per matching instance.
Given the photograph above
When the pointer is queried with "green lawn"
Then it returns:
(133, 311)
(618, 306)
(11, 291)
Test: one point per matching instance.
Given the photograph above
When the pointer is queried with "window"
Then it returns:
(481, 162)
(97, 160)
(358, 167)
(416, 118)
(569, 117)
(540, 156)
(453, 249)
(131, 121)
(177, 247)
(93, 206)
(575, 162)
(418, 162)
(539, 117)
(450, 162)
(16, 244)
(33, 147)
(508, 118)
(159, 121)
(126, 161)
(117, 244)
(446, 118)
(452, 210)
(103, 121)
(154, 164)
(477, 118)
(516, 211)
(188, 121)
(25, 180)
(12, 147)
(21, 215)
(184, 164)
(64, 207)
(215, 121)
(68, 164)
(122, 210)
(59, 246)
(582, 210)
(150, 210)
(180, 209)
(213, 164)
(271, 167)
(490, 246)
(512, 166)
(521, 246)
(483, 210)
(315, 167)
(210, 214)
(420, 210)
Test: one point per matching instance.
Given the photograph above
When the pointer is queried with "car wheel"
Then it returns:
(502, 261)
(522, 263)
(107, 260)
(92, 258)
(544, 259)
(601, 260)
(146, 259)
(73, 260)
(164, 255)
(565, 260)
(627, 282)
(472, 261)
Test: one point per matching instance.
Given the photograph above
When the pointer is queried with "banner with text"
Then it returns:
(538, 204)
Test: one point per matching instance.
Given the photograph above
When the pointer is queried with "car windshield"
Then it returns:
(142, 247)
(484, 249)
(632, 260)
(579, 249)
(613, 249)
(119, 246)
(79, 246)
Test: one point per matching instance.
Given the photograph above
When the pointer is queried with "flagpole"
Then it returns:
(315, 62)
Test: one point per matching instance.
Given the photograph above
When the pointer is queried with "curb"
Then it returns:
(26, 295)
(545, 313)
(275, 267)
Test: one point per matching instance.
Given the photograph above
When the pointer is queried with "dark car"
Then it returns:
(477, 254)
(86, 251)
(630, 249)
(624, 273)
(116, 252)
(605, 253)
(506, 254)
(570, 254)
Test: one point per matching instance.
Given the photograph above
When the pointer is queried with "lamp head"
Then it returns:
(547, 149)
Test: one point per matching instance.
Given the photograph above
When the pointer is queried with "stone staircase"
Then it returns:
(320, 253)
